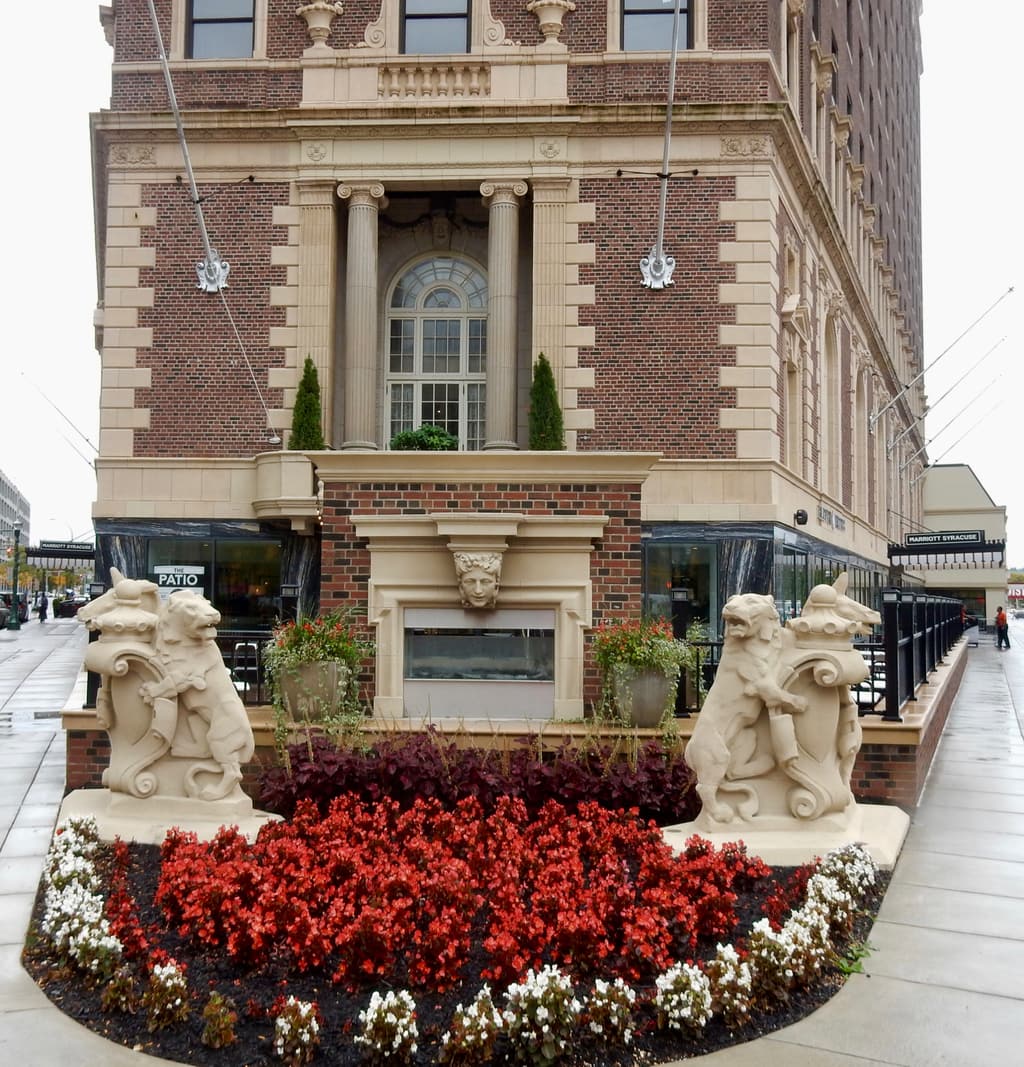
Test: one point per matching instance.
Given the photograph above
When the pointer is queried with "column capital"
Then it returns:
(501, 191)
(315, 192)
(363, 194)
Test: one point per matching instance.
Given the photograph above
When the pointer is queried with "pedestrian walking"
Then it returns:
(1002, 629)
(44, 607)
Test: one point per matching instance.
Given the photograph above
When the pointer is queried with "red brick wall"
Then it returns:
(205, 88)
(896, 774)
(88, 756)
(740, 23)
(695, 80)
(202, 400)
(615, 562)
(664, 343)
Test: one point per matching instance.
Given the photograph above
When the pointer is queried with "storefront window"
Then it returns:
(240, 578)
(681, 584)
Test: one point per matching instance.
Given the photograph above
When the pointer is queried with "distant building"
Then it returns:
(962, 546)
(14, 507)
(424, 205)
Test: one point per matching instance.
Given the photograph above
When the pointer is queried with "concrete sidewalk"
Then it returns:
(945, 982)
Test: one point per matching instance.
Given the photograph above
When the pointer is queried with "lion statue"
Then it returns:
(216, 727)
(724, 748)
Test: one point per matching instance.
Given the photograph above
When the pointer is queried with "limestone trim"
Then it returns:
(272, 485)
(117, 318)
(459, 467)
(411, 564)
(765, 491)
(557, 254)
(755, 334)
(317, 256)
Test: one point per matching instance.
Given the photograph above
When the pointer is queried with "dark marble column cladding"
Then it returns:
(745, 565)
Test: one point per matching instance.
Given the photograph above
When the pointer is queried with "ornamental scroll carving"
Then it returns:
(747, 147)
(132, 155)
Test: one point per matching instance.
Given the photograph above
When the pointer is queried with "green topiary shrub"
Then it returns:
(547, 433)
(307, 433)
(428, 438)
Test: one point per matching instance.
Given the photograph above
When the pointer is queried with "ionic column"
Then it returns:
(316, 270)
(366, 200)
(502, 199)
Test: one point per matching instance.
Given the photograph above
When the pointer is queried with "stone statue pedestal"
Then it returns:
(146, 820)
(881, 830)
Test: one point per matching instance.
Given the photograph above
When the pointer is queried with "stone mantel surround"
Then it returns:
(547, 556)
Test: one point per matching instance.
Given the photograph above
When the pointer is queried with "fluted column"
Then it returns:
(317, 287)
(502, 199)
(365, 201)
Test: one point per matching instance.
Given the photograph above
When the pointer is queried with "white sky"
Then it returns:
(972, 234)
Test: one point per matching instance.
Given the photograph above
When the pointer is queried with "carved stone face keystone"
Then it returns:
(478, 574)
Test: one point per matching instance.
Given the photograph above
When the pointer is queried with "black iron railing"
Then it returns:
(242, 651)
(918, 630)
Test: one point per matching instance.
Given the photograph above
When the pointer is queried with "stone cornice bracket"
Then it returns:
(841, 124)
(549, 15)
(107, 19)
(823, 68)
(319, 15)
(503, 192)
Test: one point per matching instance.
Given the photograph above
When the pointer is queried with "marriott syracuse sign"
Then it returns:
(946, 539)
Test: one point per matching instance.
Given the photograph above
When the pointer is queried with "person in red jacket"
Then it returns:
(1002, 629)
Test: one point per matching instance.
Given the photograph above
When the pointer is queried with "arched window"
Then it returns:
(437, 350)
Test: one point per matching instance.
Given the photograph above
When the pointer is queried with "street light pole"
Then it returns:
(13, 622)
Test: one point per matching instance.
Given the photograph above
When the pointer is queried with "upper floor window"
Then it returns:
(437, 350)
(219, 29)
(435, 27)
(647, 25)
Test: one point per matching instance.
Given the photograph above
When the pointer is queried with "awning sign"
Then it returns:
(946, 539)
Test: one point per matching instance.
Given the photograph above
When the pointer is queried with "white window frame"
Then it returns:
(471, 384)
(385, 32)
(179, 33)
(698, 28)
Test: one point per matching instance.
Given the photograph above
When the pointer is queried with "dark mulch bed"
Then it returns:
(253, 992)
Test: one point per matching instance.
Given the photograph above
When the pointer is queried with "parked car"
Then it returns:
(4, 614)
(68, 607)
(1019, 613)
(7, 598)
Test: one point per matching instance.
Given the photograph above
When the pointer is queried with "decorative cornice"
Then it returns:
(522, 467)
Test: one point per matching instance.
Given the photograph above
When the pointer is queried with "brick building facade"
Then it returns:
(423, 206)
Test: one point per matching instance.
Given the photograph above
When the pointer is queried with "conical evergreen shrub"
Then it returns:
(547, 433)
(307, 433)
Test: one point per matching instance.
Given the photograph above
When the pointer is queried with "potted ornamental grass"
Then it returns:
(313, 667)
(639, 660)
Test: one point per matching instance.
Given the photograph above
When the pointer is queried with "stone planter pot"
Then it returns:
(313, 689)
(641, 696)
